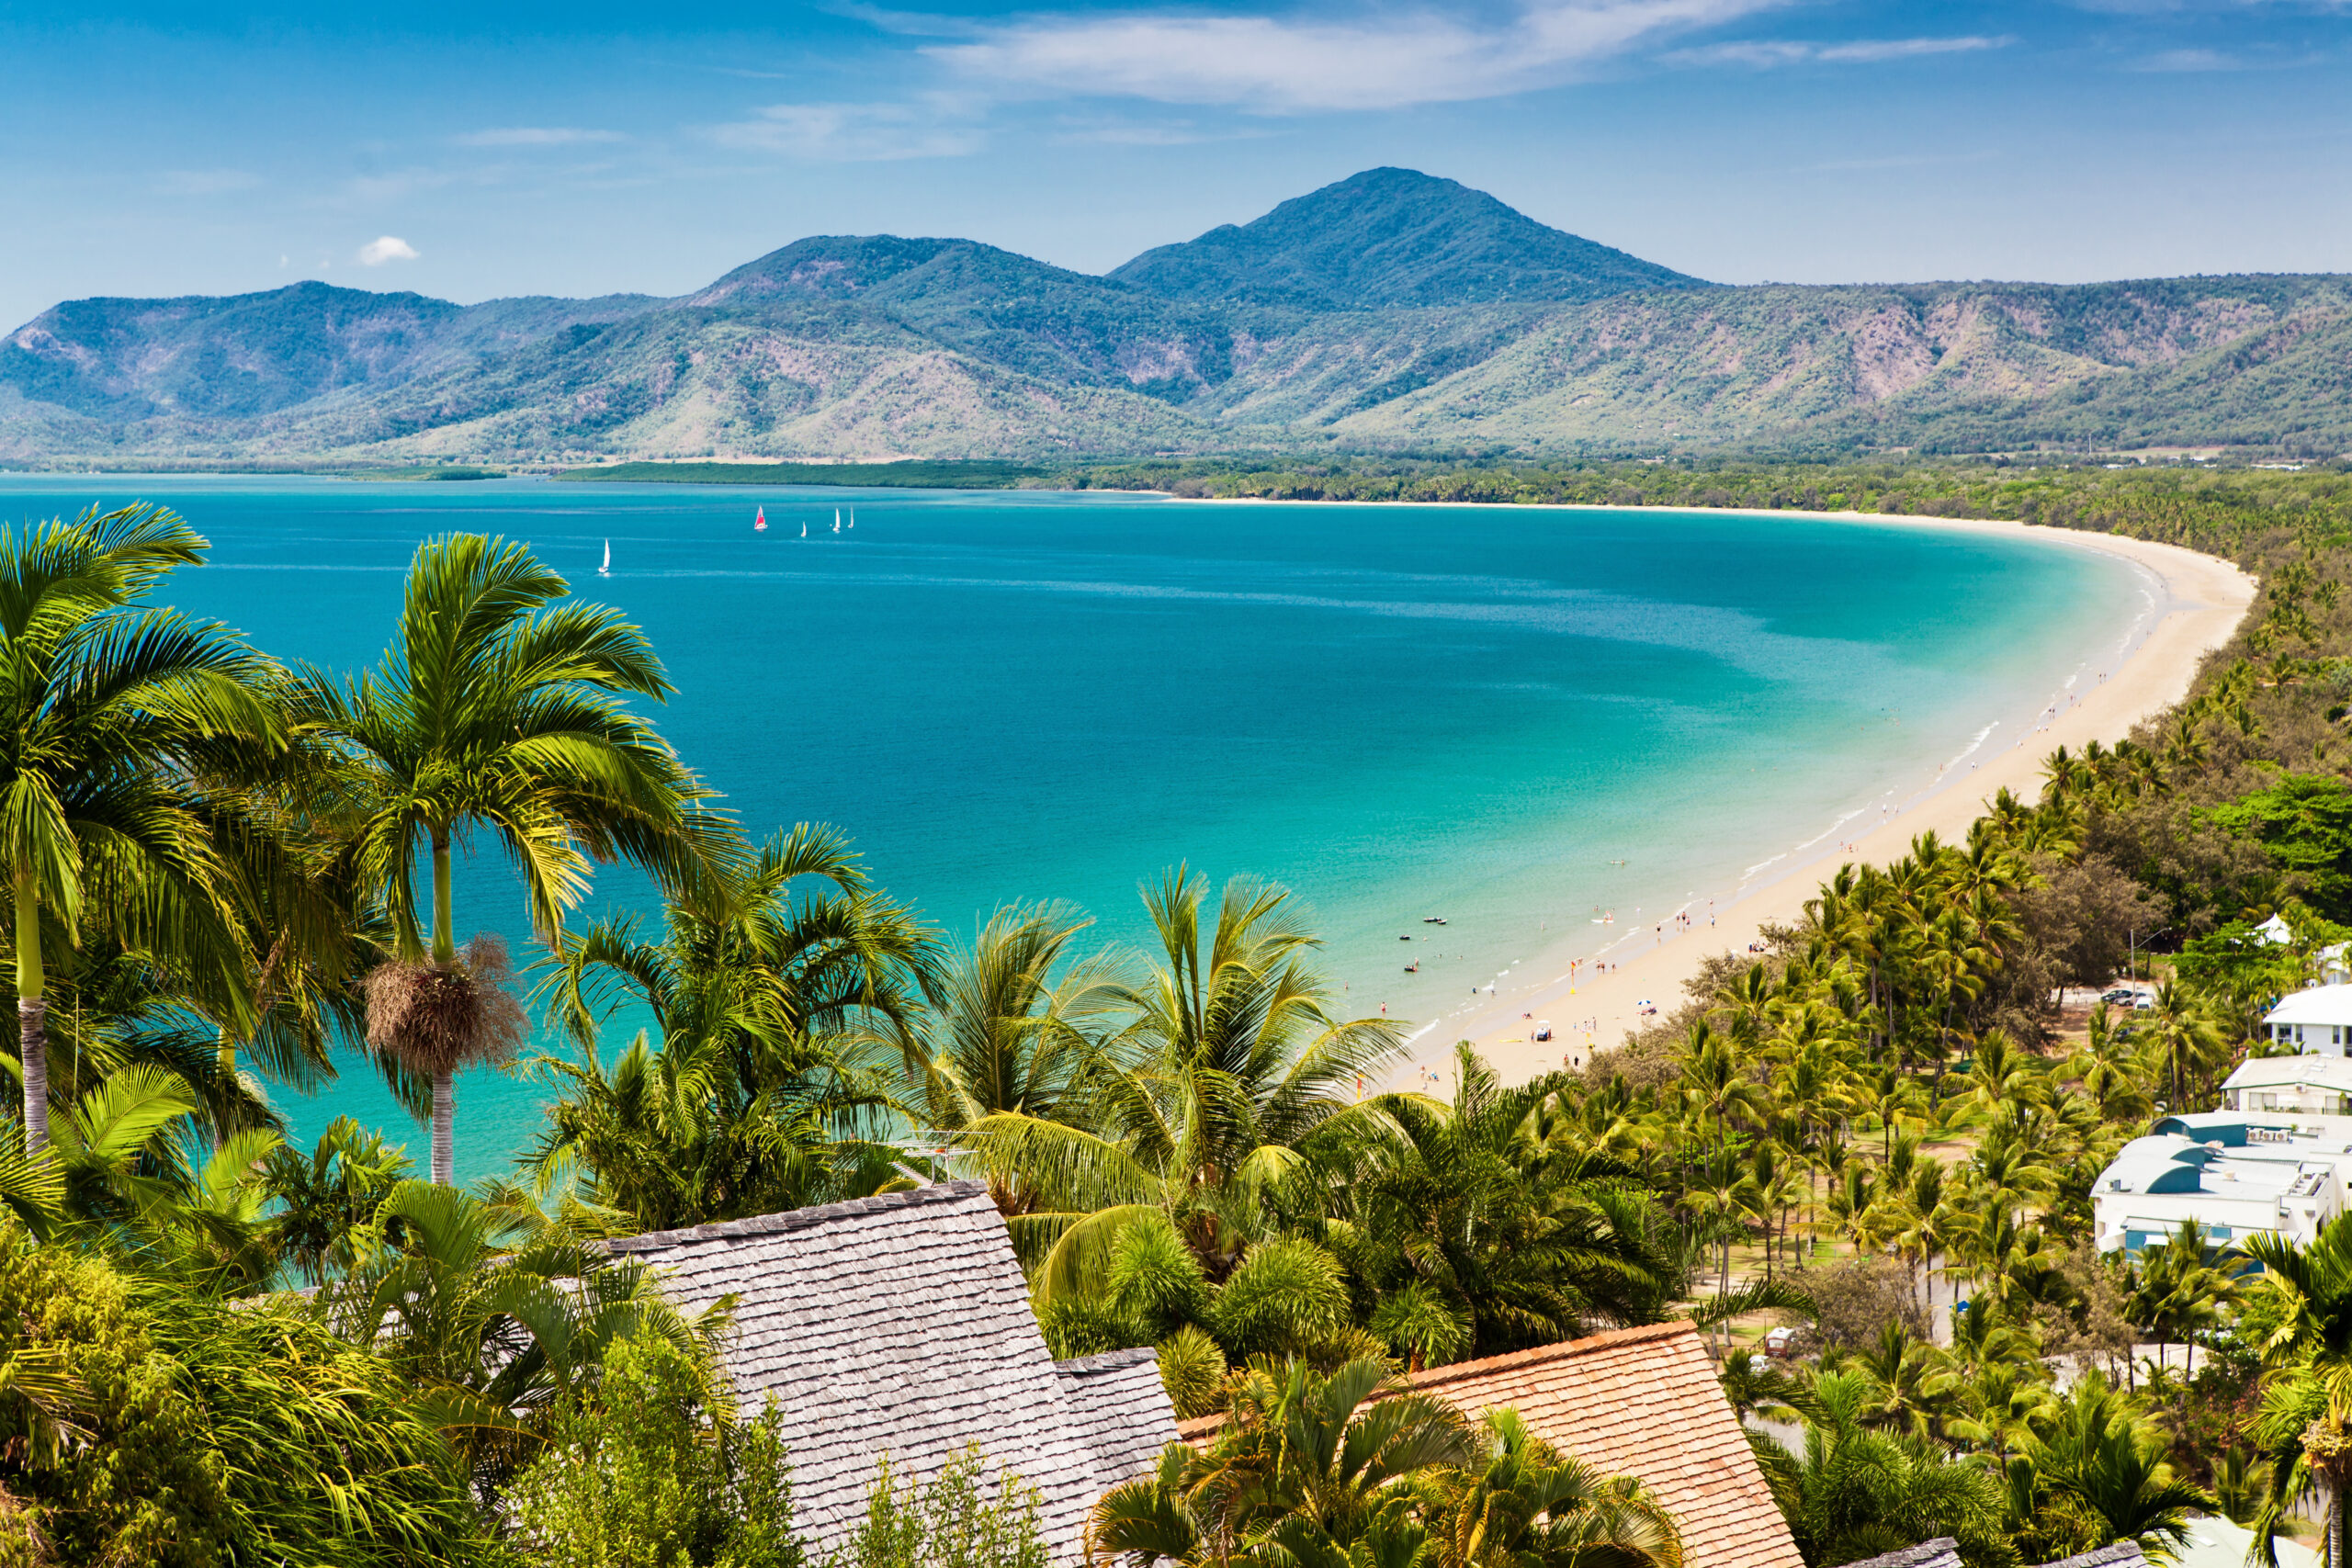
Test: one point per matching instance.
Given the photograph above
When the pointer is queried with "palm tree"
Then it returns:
(2098, 1470)
(1453, 1207)
(2183, 1038)
(1231, 1059)
(1853, 1493)
(1013, 1028)
(1529, 1507)
(2305, 1426)
(495, 1316)
(774, 1012)
(497, 706)
(116, 714)
(1356, 1471)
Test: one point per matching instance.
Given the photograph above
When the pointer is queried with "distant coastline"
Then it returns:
(2206, 598)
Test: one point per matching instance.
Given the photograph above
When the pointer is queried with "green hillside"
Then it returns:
(1389, 313)
(896, 476)
(1392, 237)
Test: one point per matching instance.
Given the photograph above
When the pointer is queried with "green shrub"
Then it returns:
(657, 1474)
(949, 1522)
(202, 1433)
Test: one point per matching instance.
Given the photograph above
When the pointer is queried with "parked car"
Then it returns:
(1777, 1340)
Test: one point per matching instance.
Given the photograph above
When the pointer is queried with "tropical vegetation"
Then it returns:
(1880, 1129)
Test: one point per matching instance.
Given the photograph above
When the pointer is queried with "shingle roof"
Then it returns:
(1122, 1407)
(2122, 1555)
(1639, 1402)
(902, 1323)
(1941, 1553)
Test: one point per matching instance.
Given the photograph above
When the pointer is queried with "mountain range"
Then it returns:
(1391, 310)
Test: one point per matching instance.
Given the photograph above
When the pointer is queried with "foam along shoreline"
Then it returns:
(2197, 603)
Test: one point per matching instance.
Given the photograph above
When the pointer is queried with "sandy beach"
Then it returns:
(2199, 604)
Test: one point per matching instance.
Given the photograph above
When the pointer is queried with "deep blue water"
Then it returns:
(1395, 710)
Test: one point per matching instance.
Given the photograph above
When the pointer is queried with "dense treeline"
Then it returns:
(2222, 506)
(223, 868)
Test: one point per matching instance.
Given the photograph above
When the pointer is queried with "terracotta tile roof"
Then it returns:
(1639, 1402)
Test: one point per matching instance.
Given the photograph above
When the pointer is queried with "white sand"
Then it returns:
(2200, 604)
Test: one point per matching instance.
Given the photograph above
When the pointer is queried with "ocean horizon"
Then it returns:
(1521, 720)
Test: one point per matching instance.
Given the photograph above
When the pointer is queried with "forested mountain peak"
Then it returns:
(1391, 237)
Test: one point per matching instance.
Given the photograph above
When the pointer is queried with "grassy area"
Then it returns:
(904, 476)
(451, 471)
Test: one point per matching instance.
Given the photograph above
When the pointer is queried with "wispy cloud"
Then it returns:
(536, 136)
(1281, 65)
(387, 248)
(2175, 60)
(204, 182)
(853, 133)
(1128, 133)
(1765, 53)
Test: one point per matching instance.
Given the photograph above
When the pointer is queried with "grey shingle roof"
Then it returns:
(2122, 1555)
(1941, 1553)
(1122, 1406)
(902, 1323)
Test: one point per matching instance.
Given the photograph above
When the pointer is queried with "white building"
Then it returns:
(2318, 1021)
(2298, 1086)
(2235, 1176)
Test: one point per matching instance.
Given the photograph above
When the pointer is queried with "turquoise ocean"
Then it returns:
(1508, 717)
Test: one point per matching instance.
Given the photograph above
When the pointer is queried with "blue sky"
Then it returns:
(469, 151)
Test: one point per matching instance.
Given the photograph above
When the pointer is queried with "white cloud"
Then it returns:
(1278, 65)
(536, 136)
(1764, 53)
(388, 248)
(851, 134)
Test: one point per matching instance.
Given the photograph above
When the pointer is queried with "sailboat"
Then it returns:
(804, 530)
(759, 525)
(852, 517)
(837, 519)
(607, 570)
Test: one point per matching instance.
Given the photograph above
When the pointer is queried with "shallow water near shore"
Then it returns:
(1518, 719)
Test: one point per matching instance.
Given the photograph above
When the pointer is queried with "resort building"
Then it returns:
(2334, 963)
(901, 1324)
(2237, 1176)
(2317, 1020)
(2299, 1086)
(1638, 1401)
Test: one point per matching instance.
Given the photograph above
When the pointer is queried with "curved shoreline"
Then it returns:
(2202, 603)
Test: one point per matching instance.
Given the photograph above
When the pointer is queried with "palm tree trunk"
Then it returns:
(445, 941)
(32, 1017)
(445, 952)
(444, 1117)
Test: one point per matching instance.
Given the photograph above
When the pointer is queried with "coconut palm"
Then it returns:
(116, 713)
(498, 706)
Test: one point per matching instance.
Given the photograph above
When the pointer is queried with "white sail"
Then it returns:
(607, 570)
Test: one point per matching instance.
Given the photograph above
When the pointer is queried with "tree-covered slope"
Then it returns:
(1390, 237)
